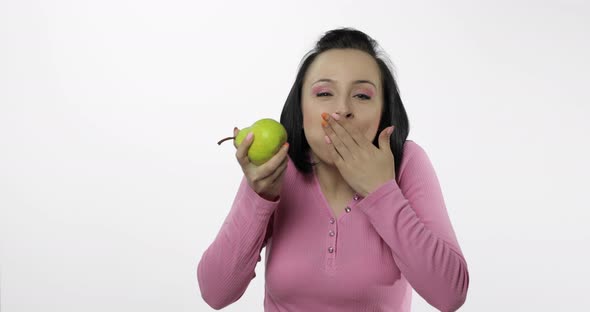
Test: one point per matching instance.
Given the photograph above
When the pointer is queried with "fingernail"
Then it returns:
(327, 139)
(286, 145)
(324, 123)
(249, 136)
(235, 128)
(325, 116)
(336, 116)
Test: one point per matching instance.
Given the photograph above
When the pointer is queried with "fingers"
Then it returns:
(242, 151)
(336, 142)
(279, 172)
(349, 134)
(336, 157)
(343, 133)
(385, 139)
(271, 184)
(275, 162)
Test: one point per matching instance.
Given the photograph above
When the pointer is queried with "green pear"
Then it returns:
(269, 137)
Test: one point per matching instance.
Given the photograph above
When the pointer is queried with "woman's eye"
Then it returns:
(361, 96)
(364, 96)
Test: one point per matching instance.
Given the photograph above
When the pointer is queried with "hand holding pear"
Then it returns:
(263, 160)
(271, 135)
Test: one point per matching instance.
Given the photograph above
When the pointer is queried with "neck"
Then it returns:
(330, 179)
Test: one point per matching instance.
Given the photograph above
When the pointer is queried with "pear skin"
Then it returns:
(269, 137)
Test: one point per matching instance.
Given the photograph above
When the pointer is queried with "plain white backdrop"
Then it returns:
(112, 184)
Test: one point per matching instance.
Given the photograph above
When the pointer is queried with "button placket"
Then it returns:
(355, 198)
(332, 236)
(331, 245)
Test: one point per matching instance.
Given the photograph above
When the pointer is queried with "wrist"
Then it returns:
(269, 197)
(375, 187)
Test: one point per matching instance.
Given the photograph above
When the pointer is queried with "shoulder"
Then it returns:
(294, 184)
(294, 178)
(414, 157)
(411, 150)
(292, 175)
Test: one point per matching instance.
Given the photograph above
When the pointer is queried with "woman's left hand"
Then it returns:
(364, 166)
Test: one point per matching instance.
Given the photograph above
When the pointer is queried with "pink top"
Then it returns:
(397, 238)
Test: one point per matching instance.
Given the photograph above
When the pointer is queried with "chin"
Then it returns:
(322, 154)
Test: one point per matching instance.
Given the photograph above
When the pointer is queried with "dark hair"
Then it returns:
(393, 112)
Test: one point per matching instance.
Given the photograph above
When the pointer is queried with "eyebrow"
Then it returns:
(355, 82)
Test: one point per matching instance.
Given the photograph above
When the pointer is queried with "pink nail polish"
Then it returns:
(336, 116)
(249, 136)
(327, 139)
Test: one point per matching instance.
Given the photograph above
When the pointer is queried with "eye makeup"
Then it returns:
(368, 92)
(319, 89)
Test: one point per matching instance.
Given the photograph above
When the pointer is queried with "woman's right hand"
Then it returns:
(266, 179)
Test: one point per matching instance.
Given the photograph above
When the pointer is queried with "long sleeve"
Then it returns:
(413, 221)
(227, 267)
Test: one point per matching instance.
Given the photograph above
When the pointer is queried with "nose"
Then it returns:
(344, 109)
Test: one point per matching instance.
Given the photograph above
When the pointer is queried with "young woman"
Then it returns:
(350, 212)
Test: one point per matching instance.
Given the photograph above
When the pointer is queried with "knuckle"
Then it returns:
(282, 171)
(273, 164)
(267, 172)
(276, 163)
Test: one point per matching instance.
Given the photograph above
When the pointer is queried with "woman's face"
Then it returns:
(346, 82)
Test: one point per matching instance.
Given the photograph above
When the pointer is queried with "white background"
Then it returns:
(112, 184)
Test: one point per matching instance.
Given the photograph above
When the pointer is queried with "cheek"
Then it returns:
(312, 121)
(370, 131)
(313, 127)
(374, 128)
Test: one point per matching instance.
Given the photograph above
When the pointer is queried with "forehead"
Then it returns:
(344, 65)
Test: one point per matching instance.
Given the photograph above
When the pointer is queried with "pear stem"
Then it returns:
(225, 139)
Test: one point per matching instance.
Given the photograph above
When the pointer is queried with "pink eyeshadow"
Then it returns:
(319, 89)
(368, 92)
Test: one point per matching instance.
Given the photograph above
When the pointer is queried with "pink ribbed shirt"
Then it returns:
(397, 238)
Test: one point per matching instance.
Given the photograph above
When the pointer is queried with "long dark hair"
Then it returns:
(393, 112)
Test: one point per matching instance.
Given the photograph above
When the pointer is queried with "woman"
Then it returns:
(351, 213)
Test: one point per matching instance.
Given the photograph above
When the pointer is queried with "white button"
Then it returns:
(332, 220)
(347, 209)
(330, 250)
(356, 197)
(332, 233)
